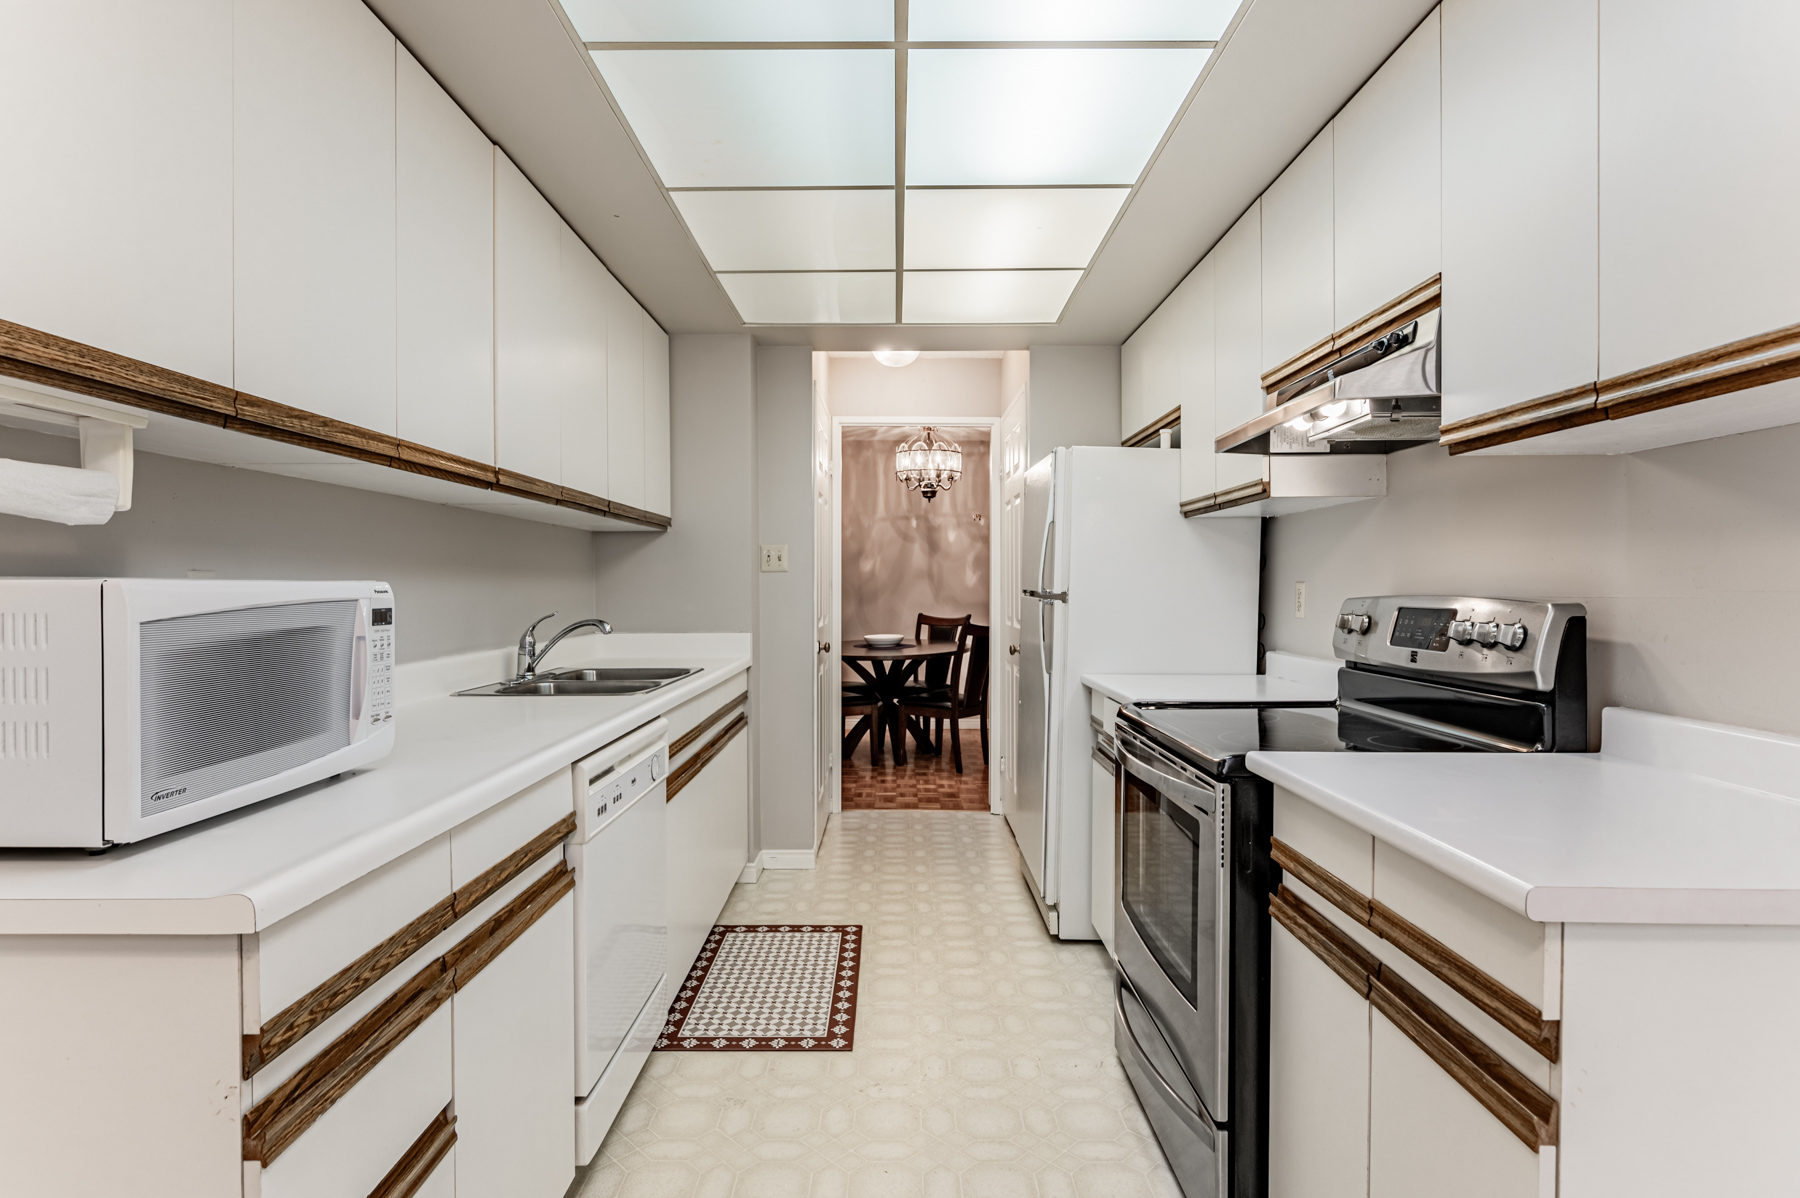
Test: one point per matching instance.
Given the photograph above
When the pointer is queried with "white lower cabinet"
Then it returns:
(515, 1129)
(1428, 1137)
(1318, 1078)
(709, 828)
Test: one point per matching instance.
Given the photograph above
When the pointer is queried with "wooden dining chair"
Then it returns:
(937, 672)
(866, 708)
(954, 703)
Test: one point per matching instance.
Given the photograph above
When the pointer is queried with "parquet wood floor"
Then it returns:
(922, 784)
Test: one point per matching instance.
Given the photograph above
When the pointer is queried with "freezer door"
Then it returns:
(1036, 618)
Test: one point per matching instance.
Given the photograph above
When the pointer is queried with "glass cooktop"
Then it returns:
(1216, 739)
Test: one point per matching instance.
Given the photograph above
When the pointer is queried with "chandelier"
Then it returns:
(927, 463)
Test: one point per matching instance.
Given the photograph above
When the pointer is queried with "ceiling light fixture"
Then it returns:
(927, 463)
(898, 358)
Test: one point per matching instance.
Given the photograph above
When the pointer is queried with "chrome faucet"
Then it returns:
(529, 654)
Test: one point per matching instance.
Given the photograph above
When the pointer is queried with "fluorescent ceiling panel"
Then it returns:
(759, 118)
(809, 298)
(792, 230)
(732, 20)
(1008, 227)
(1068, 20)
(987, 296)
(1040, 116)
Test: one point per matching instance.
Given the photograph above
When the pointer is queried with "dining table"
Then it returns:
(887, 671)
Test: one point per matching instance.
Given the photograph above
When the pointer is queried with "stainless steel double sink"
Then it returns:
(616, 680)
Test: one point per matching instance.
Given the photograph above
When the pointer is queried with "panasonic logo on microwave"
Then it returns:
(163, 796)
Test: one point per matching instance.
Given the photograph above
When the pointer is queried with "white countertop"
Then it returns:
(454, 757)
(1635, 834)
(1206, 688)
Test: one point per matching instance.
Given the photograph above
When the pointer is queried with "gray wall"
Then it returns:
(860, 387)
(1688, 559)
(1074, 396)
(462, 580)
(697, 576)
(785, 648)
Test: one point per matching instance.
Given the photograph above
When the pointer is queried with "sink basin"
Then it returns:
(619, 680)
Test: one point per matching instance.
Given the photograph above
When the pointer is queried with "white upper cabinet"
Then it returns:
(1196, 356)
(656, 419)
(444, 191)
(528, 339)
(115, 217)
(1699, 126)
(313, 208)
(1155, 371)
(625, 323)
(1237, 361)
(584, 356)
(1297, 293)
(1521, 194)
(1386, 180)
(1131, 381)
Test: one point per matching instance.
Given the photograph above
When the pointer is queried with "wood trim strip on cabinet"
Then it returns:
(1152, 431)
(1533, 418)
(525, 485)
(471, 894)
(1492, 997)
(684, 773)
(256, 410)
(122, 376)
(1506, 1093)
(440, 463)
(307, 1012)
(1407, 306)
(476, 951)
(637, 515)
(1218, 501)
(274, 1123)
(414, 1169)
(698, 730)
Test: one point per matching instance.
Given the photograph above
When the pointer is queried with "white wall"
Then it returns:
(1074, 397)
(861, 386)
(462, 580)
(1688, 559)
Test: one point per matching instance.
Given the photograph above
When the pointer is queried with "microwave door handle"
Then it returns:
(359, 676)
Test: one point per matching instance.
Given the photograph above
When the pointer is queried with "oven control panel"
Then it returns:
(1511, 641)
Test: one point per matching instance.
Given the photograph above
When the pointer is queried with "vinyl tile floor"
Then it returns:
(984, 1063)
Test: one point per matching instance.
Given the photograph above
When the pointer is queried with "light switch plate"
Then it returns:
(774, 560)
(1299, 599)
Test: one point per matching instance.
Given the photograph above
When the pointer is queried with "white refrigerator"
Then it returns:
(1116, 581)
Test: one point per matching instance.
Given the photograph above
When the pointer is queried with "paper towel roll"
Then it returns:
(59, 493)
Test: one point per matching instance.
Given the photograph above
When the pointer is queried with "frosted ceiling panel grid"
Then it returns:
(1068, 20)
(1008, 227)
(792, 230)
(759, 118)
(987, 296)
(812, 298)
(731, 20)
(1041, 116)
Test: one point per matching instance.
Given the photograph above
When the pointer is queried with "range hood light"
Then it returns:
(1333, 410)
(1300, 424)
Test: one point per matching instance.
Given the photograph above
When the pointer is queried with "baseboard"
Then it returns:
(787, 859)
(750, 874)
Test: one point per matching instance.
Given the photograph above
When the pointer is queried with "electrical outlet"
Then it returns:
(1299, 600)
(774, 559)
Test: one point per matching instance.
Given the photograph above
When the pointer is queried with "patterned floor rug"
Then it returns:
(769, 989)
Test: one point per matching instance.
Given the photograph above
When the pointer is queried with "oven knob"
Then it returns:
(1512, 636)
(1355, 622)
(1487, 632)
(1462, 631)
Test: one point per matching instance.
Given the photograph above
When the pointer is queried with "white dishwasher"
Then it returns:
(621, 925)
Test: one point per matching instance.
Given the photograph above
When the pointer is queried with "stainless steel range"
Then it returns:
(1420, 674)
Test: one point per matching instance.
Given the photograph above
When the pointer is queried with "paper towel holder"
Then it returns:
(105, 432)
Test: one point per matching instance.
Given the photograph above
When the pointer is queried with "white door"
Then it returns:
(828, 723)
(1003, 785)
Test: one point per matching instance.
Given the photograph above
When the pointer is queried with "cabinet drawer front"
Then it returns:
(708, 843)
(685, 719)
(506, 830)
(700, 758)
(429, 1156)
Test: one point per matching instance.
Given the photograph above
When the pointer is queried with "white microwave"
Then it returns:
(130, 707)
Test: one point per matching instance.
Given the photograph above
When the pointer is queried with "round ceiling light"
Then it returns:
(896, 357)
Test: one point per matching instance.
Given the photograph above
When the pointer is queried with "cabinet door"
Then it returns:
(1162, 362)
(527, 369)
(709, 821)
(1699, 116)
(1131, 379)
(1237, 360)
(313, 209)
(586, 288)
(1297, 296)
(624, 396)
(1387, 180)
(444, 193)
(1521, 196)
(514, 1053)
(1429, 1137)
(1195, 336)
(1318, 1078)
(115, 220)
(657, 479)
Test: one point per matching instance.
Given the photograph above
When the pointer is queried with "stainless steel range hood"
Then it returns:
(1379, 397)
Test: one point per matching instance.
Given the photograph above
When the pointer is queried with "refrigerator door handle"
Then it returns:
(1044, 551)
(1047, 631)
(1046, 596)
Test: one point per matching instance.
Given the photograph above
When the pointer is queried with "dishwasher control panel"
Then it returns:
(612, 780)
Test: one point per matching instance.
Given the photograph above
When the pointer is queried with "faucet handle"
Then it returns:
(531, 629)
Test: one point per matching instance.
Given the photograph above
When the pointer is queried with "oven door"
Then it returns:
(1174, 909)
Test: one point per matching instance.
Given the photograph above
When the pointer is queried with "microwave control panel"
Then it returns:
(381, 666)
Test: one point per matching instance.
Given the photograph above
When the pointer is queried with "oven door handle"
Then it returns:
(1182, 793)
(1418, 723)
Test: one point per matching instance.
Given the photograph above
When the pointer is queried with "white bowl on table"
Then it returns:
(883, 640)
